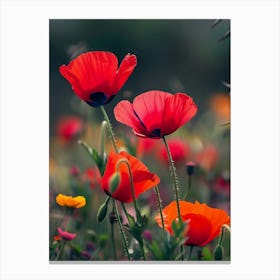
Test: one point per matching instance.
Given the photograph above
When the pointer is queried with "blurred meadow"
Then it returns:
(189, 56)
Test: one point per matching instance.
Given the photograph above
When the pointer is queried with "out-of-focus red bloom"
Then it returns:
(220, 105)
(179, 150)
(204, 222)
(92, 176)
(66, 235)
(69, 128)
(222, 186)
(145, 146)
(156, 113)
(143, 179)
(208, 157)
(95, 76)
(74, 171)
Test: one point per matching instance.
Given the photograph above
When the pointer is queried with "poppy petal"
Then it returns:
(217, 217)
(204, 222)
(91, 72)
(142, 178)
(179, 108)
(199, 229)
(126, 68)
(150, 108)
(125, 114)
(66, 235)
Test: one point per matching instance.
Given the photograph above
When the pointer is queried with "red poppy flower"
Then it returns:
(208, 157)
(92, 176)
(143, 179)
(95, 76)
(145, 146)
(204, 222)
(156, 113)
(222, 186)
(69, 127)
(179, 150)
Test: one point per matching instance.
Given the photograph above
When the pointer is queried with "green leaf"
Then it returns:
(206, 254)
(94, 155)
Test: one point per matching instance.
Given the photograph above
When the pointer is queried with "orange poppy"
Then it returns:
(208, 157)
(143, 179)
(69, 201)
(220, 105)
(204, 222)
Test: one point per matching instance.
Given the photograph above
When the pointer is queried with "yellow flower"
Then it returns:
(69, 201)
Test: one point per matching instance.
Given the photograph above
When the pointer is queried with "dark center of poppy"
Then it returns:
(156, 132)
(99, 98)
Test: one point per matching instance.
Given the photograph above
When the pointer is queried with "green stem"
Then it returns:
(138, 215)
(190, 252)
(121, 229)
(174, 176)
(176, 186)
(160, 208)
(125, 211)
(142, 250)
(109, 128)
(189, 187)
(221, 239)
(113, 241)
(102, 140)
(61, 250)
(131, 185)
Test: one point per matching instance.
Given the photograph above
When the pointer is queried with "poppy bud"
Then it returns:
(219, 252)
(190, 167)
(114, 182)
(102, 211)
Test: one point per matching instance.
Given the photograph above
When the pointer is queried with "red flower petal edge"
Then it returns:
(156, 113)
(95, 76)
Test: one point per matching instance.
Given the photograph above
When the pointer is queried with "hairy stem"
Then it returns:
(109, 128)
(174, 176)
(121, 229)
(160, 208)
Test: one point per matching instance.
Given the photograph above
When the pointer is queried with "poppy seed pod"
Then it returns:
(190, 167)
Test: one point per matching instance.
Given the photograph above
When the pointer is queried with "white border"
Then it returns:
(24, 138)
